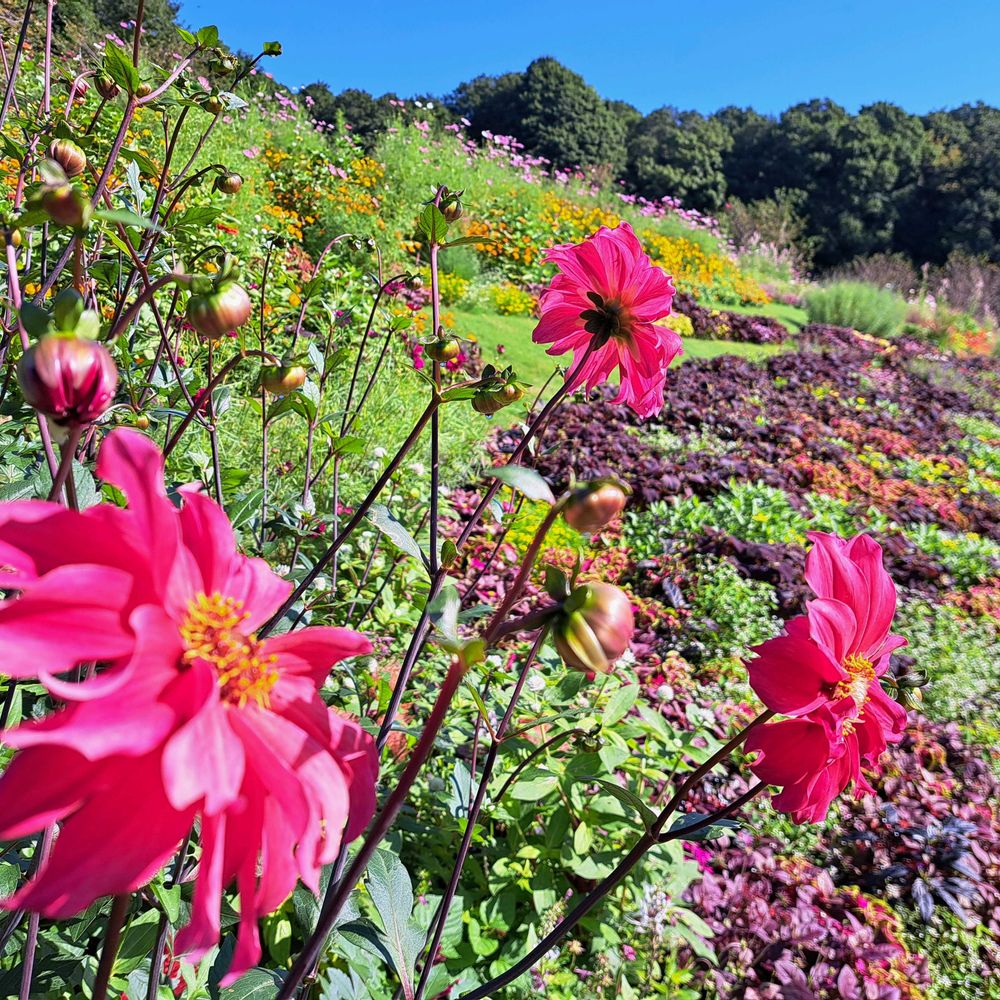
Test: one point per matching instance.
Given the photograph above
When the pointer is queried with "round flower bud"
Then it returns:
(228, 183)
(213, 105)
(70, 379)
(107, 87)
(596, 631)
(216, 313)
(68, 155)
(282, 379)
(590, 509)
(67, 206)
(9, 237)
(489, 401)
(442, 350)
(143, 90)
(452, 211)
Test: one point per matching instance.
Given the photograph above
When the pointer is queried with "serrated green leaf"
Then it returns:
(619, 704)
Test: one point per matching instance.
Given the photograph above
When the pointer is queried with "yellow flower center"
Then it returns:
(211, 632)
(860, 674)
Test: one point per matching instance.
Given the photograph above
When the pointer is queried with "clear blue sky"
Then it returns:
(701, 54)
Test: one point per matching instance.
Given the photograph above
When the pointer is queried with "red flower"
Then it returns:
(189, 717)
(609, 294)
(824, 673)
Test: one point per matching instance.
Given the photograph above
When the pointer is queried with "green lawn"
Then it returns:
(792, 317)
(535, 366)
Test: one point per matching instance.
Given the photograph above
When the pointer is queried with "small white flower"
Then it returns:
(535, 682)
(379, 452)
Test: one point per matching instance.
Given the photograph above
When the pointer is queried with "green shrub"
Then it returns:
(969, 558)
(959, 654)
(876, 311)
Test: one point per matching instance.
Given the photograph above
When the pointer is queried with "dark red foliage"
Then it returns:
(783, 929)
(722, 324)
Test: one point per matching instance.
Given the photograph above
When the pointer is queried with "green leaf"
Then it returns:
(443, 612)
(619, 704)
(119, 67)
(464, 240)
(34, 320)
(433, 224)
(394, 530)
(272, 49)
(170, 900)
(243, 508)
(717, 829)
(625, 797)
(126, 218)
(525, 481)
(208, 36)
(10, 876)
(534, 784)
(187, 36)
(137, 942)
(257, 984)
(389, 886)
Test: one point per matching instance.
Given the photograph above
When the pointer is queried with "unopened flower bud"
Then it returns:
(452, 210)
(442, 350)
(213, 105)
(70, 379)
(282, 379)
(67, 206)
(595, 506)
(228, 183)
(143, 90)
(9, 237)
(220, 311)
(107, 87)
(68, 155)
(594, 628)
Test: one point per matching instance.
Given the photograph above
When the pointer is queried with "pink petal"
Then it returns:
(833, 626)
(114, 844)
(202, 931)
(132, 722)
(313, 651)
(71, 615)
(204, 759)
(790, 674)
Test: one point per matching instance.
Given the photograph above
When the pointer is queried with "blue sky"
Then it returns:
(701, 54)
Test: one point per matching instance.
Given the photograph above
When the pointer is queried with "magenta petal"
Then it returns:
(114, 844)
(42, 785)
(790, 750)
(313, 651)
(790, 673)
(132, 722)
(833, 626)
(204, 759)
(71, 615)
(202, 931)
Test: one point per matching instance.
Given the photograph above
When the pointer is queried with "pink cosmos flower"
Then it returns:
(609, 294)
(187, 717)
(823, 673)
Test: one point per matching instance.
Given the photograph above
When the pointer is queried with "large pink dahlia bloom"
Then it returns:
(823, 673)
(608, 293)
(188, 716)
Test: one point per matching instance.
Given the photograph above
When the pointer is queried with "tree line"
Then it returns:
(879, 181)
(852, 185)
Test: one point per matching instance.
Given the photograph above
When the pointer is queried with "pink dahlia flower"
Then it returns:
(823, 673)
(188, 716)
(608, 294)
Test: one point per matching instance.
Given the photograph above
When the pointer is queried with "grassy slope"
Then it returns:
(534, 366)
(791, 316)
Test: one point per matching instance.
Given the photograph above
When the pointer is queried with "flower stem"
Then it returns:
(642, 845)
(356, 519)
(116, 920)
(440, 917)
(31, 944)
(338, 893)
(66, 462)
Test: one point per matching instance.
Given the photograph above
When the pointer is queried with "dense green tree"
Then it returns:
(552, 110)
(365, 115)
(679, 153)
